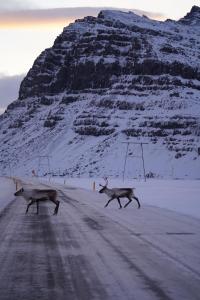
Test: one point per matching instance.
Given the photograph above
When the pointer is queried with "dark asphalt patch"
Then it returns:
(92, 223)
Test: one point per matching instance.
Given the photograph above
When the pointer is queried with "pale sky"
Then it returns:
(29, 26)
(171, 8)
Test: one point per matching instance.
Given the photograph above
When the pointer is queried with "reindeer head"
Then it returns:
(19, 192)
(103, 186)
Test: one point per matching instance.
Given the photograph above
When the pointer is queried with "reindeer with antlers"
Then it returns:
(117, 193)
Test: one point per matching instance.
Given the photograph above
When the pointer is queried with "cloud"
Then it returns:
(37, 17)
(9, 88)
(16, 5)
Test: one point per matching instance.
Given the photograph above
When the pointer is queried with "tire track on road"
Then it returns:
(93, 224)
(29, 258)
(137, 236)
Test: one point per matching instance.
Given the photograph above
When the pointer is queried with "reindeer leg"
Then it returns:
(30, 203)
(57, 203)
(118, 199)
(57, 207)
(130, 200)
(109, 201)
(137, 201)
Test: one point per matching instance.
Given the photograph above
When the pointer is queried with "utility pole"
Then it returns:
(125, 159)
(144, 172)
(142, 157)
(9, 165)
(44, 161)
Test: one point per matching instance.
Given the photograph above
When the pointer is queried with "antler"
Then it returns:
(106, 181)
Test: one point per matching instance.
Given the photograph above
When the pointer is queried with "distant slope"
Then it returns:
(118, 77)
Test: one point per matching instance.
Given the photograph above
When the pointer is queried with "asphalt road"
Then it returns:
(85, 253)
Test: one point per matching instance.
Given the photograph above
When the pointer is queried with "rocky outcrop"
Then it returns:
(92, 50)
(192, 18)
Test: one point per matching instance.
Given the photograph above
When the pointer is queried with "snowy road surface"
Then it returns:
(90, 252)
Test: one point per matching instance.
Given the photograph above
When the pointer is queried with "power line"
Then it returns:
(142, 156)
(44, 163)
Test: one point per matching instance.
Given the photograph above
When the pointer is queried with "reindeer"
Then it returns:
(117, 193)
(37, 195)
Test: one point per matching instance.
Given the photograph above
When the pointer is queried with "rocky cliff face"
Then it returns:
(192, 18)
(90, 52)
(118, 77)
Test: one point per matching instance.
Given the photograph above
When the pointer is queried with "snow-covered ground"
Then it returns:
(181, 196)
(7, 189)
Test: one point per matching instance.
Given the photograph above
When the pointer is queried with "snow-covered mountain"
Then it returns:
(108, 80)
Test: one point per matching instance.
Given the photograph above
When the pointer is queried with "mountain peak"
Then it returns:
(122, 16)
(115, 13)
(195, 9)
(192, 18)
